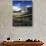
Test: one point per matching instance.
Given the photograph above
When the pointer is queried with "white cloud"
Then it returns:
(15, 8)
(28, 6)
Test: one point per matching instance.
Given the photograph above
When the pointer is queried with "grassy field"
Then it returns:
(22, 20)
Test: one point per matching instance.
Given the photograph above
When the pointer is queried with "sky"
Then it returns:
(17, 5)
(22, 0)
(22, 3)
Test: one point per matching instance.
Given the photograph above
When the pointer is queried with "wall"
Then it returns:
(37, 31)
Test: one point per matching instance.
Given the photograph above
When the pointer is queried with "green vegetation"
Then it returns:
(23, 20)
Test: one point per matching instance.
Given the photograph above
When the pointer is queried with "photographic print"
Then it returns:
(22, 13)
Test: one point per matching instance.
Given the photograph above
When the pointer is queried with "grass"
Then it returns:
(23, 20)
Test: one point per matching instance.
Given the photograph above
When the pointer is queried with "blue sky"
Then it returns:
(21, 0)
(22, 3)
(18, 5)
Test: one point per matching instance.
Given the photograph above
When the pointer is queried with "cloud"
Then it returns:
(28, 5)
(15, 8)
